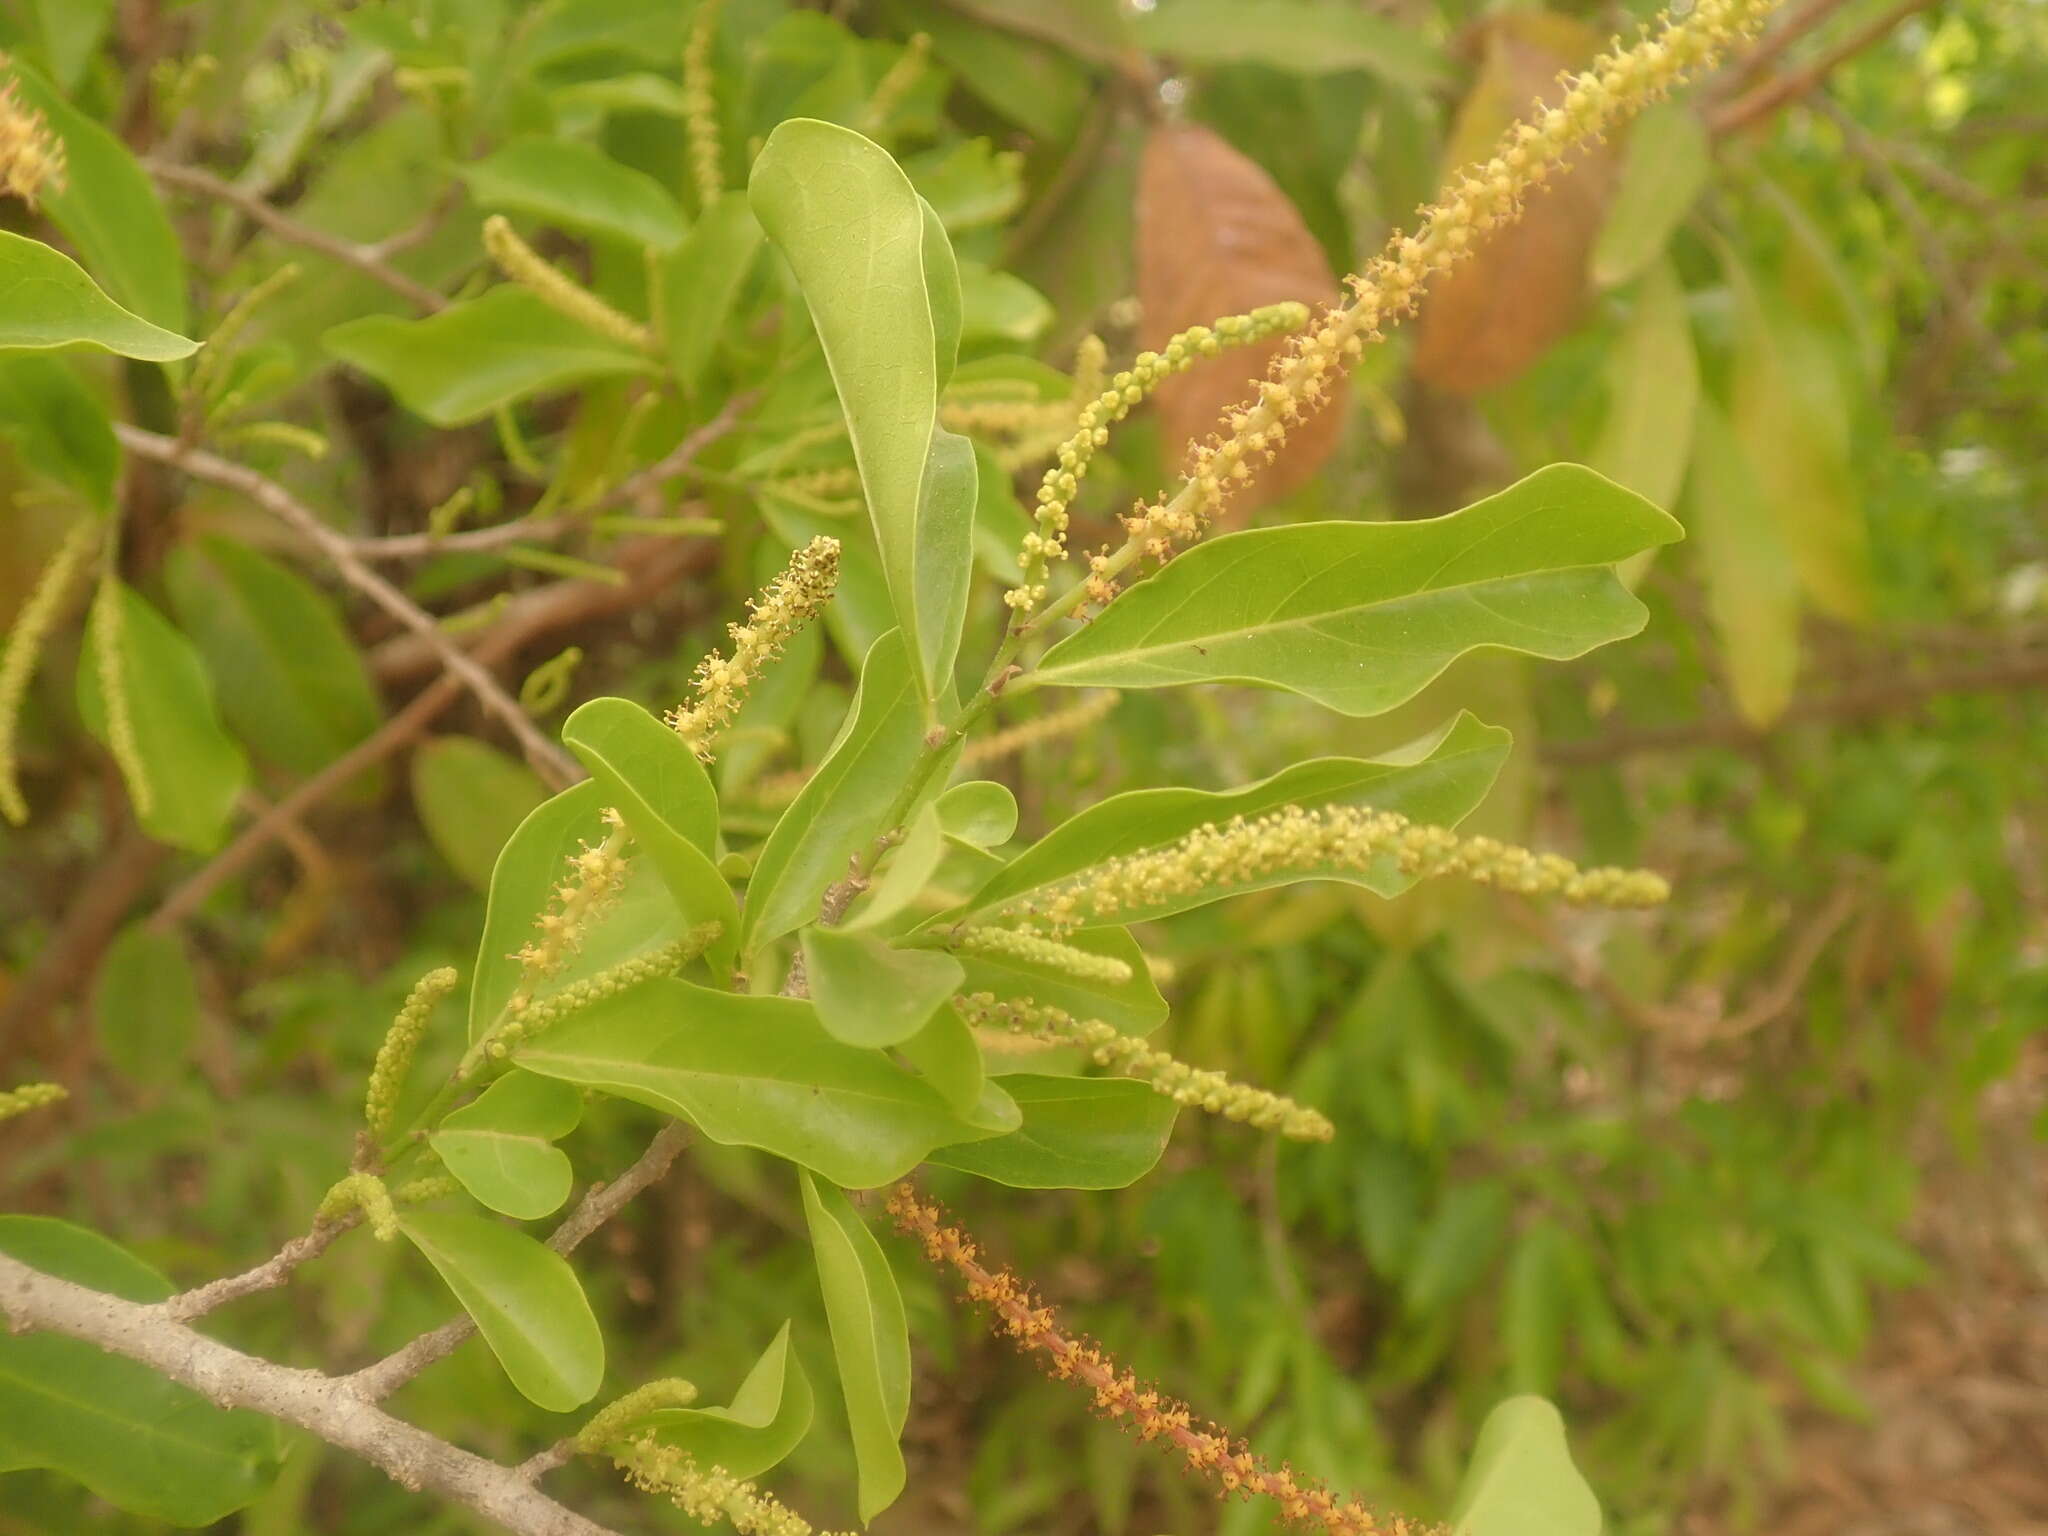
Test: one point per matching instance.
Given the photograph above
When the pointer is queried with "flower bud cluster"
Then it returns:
(1037, 949)
(785, 605)
(527, 1017)
(32, 626)
(1190, 1087)
(108, 622)
(432, 1187)
(31, 157)
(606, 1425)
(1299, 843)
(401, 1042)
(700, 106)
(363, 1192)
(595, 876)
(1046, 544)
(555, 288)
(706, 1496)
(1482, 198)
(30, 1096)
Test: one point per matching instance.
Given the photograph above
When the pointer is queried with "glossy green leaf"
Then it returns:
(754, 1072)
(702, 280)
(473, 357)
(471, 798)
(144, 1444)
(72, 32)
(291, 681)
(1653, 389)
(947, 1056)
(1751, 578)
(46, 300)
(146, 1006)
(1521, 1480)
(525, 1300)
(194, 769)
(61, 428)
(658, 786)
(577, 186)
(1133, 1006)
(855, 233)
(870, 1340)
(1078, 1133)
(997, 306)
(1302, 37)
(1361, 616)
(840, 809)
(1035, 85)
(868, 992)
(765, 1421)
(981, 812)
(1668, 160)
(642, 917)
(109, 210)
(1437, 780)
(501, 1146)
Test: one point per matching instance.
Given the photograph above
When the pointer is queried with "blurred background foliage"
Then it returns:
(1753, 1189)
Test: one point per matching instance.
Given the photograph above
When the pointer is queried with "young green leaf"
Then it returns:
(576, 186)
(980, 812)
(146, 1006)
(1668, 161)
(1078, 1133)
(465, 362)
(61, 427)
(754, 1072)
(1653, 389)
(1361, 616)
(868, 992)
(194, 769)
(144, 1444)
(870, 1340)
(46, 300)
(946, 1054)
(525, 1300)
(1752, 580)
(502, 1145)
(864, 252)
(1291, 35)
(765, 1421)
(471, 798)
(1521, 1480)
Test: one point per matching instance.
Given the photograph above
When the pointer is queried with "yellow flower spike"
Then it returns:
(706, 1496)
(31, 628)
(29, 1097)
(401, 1043)
(529, 1018)
(1047, 727)
(31, 157)
(527, 267)
(700, 106)
(363, 1192)
(785, 605)
(604, 1425)
(107, 626)
(1036, 949)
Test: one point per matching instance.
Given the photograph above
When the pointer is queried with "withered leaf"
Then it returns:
(1216, 237)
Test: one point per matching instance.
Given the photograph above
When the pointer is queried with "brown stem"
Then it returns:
(1771, 47)
(1767, 98)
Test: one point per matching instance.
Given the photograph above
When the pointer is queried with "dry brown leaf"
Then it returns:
(1493, 315)
(1216, 237)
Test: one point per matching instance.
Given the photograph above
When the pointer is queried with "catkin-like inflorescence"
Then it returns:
(785, 605)
(108, 622)
(1190, 1087)
(555, 288)
(401, 1043)
(1037, 949)
(595, 876)
(1046, 544)
(431, 1186)
(1210, 1453)
(363, 1192)
(30, 1096)
(706, 1496)
(1051, 726)
(31, 157)
(700, 105)
(1245, 852)
(1483, 197)
(527, 1017)
(896, 83)
(32, 626)
(609, 1423)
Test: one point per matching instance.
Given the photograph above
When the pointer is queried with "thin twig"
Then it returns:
(267, 1276)
(546, 759)
(603, 1201)
(1770, 47)
(540, 1463)
(366, 259)
(1790, 86)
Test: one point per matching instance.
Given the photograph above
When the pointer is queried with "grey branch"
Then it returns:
(546, 758)
(327, 1406)
(267, 1276)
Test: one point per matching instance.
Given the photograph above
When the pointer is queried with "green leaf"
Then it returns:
(765, 1421)
(1456, 1246)
(904, 874)
(665, 797)
(60, 426)
(702, 280)
(1653, 390)
(868, 992)
(981, 813)
(72, 32)
(1535, 1302)
(46, 300)
(1751, 578)
(997, 306)
(1437, 780)
(642, 917)
(870, 1340)
(110, 212)
(1668, 160)
(947, 1054)
(1521, 1481)
(291, 682)
(1033, 84)
(144, 1444)
(577, 186)
(1134, 1006)
(501, 1145)
(856, 234)
(525, 1300)
(195, 771)
(146, 1006)
(840, 808)
(1078, 1133)
(471, 798)
(465, 362)
(1361, 616)
(1302, 37)
(753, 1072)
